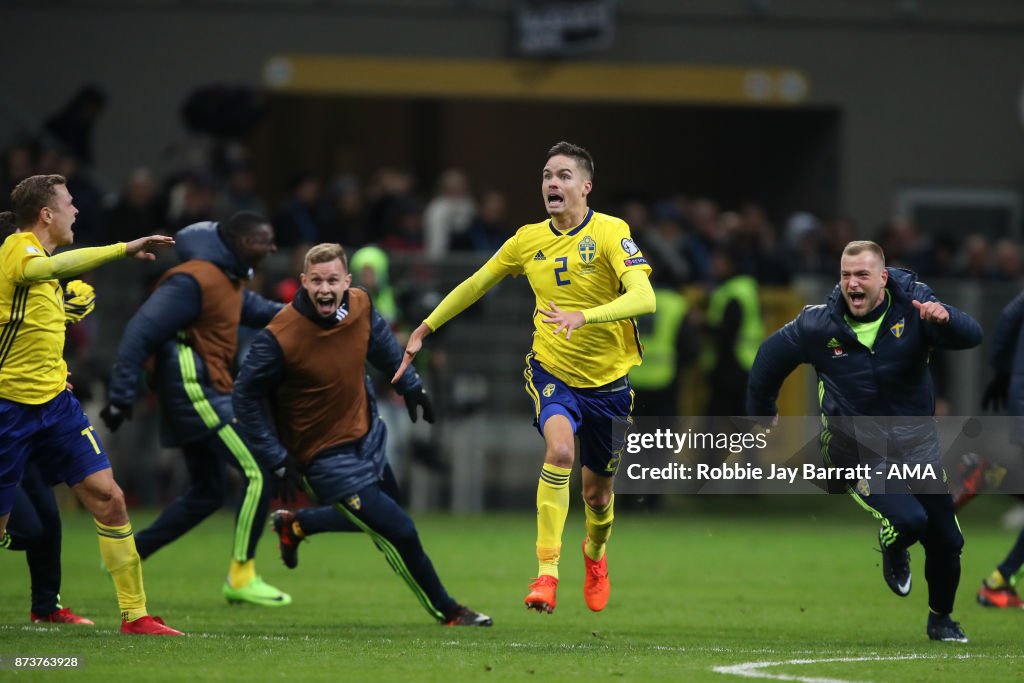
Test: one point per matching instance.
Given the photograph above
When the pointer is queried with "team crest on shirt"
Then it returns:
(629, 246)
(548, 390)
(353, 503)
(587, 249)
(836, 348)
(863, 488)
(897, 329)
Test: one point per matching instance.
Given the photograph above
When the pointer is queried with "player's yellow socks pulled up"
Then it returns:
(599, 529)
(241, 573)
(996, 580)
(552, 509)
(117, 548)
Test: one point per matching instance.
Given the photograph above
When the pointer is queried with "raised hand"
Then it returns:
(139, 249)
(411, 349)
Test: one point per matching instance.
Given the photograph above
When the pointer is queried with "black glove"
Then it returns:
(288, 482)
(418, 397)
(113, 415)
(996, 393)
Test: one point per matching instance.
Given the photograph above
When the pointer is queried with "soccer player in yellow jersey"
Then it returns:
(591, 281)
(39, 417)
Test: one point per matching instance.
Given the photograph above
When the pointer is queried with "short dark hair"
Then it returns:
(859, 246)
(242, 224)
(7, 225)
(582, 156)
(32, 194)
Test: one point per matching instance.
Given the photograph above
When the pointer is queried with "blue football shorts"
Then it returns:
(56, 435)
(600, 417)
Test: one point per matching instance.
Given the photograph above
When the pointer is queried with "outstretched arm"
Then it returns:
(385, 354)
(778, 356)
(458, 300)
(174, 305)
(74, 262)
(257, 311)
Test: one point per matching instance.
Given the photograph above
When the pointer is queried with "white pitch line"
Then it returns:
(753, 669)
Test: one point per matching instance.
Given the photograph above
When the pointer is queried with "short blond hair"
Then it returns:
(860, 246)
(325, 253)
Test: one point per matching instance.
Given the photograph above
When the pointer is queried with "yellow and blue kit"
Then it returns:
(597, 269)
(38, 416)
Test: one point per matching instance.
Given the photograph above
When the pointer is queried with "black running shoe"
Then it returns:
(942, 627)
(287, 540)
(463, 616)
(895, 568)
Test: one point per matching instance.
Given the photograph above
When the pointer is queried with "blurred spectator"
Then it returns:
(975, 258)
(761, 253)
(342, 217)
(836, 233)
(240, 193)
(489, 228)
(703, 214)
(17, 165)
(288, 286)
(735, 330)
(663, 243)
(191, 200)
(88, 200)
(296, 220)
(803, 243)
(136, 212)
(669, 346)
(73, 124)
(404, 227)
(448, 214)
(369, 268)
(388, 187)
(905, 246)
(1008, 260)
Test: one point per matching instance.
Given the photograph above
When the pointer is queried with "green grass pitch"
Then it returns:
(714, 583)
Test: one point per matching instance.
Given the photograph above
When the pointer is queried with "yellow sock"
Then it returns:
(599, 529)
(117, 548)
(241, 573)
(552, 509)
(996, 580)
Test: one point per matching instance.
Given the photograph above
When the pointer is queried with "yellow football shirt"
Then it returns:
(577, 269)
(32, 367)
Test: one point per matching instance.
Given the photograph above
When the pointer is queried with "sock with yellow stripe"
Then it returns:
(117, 548)
(996, 580)
(241, 573)
(599, 528)
(552, 509)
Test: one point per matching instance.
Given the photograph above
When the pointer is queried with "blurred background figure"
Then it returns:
(489, 227)
(448, 214)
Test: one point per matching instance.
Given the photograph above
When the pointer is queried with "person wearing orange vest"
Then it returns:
(304, 403)
(190, 324)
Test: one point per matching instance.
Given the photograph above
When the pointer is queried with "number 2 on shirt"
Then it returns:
(563, 267)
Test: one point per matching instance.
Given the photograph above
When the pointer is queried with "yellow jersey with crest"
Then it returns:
(32, 367)
(577, 269)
